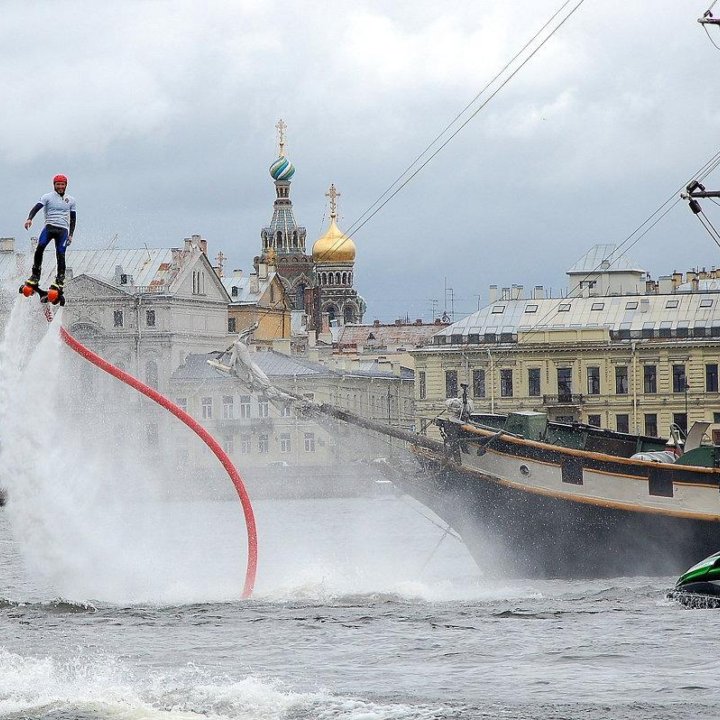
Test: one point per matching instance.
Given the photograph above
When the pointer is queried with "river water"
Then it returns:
(358, 614)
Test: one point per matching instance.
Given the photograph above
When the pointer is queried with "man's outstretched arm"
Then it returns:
(33, 212)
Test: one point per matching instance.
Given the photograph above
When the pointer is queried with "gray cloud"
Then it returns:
(163, 115)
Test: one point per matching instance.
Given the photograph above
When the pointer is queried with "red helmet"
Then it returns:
(60, 178)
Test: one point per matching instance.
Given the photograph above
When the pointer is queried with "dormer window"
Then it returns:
(234, 291)
(498, 309)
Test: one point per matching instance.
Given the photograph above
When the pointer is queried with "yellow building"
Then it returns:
(630, 362)
(258, 298)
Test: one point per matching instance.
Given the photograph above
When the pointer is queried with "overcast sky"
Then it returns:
(163, 116)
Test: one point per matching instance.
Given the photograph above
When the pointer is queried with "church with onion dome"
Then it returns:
(320, 283)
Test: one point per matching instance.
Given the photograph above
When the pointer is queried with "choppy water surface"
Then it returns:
(357, 614)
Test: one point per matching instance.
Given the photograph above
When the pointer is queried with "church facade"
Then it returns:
(321, 282)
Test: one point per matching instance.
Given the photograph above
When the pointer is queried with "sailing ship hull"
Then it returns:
(530, 509)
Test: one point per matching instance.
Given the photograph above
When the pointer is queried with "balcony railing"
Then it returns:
(563, 399)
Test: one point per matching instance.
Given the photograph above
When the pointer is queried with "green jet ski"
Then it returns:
(699, 587)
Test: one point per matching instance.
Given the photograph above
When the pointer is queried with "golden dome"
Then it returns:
(334, 246)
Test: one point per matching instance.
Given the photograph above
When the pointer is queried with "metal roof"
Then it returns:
(147, 266)
(621, 312)
(244, 293)
(604, 257)
(272, 363)
(404, 335)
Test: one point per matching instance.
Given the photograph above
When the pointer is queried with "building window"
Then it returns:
(632, 305)
(244, 406)
(309, 442)
(671, 303)
(651, 427)
(228, 408)
(564, 307)
(564, 384)
(478, 383)
(232, 325)
(206, 408)
(150, 318)
(531, 308)
(680, 419)
(263, 444)
(286, 411)
(284, 442)
(228, 444)
(707, 303)
(245, 444)
(198, 282)
(648, 330)
(650, 379)
(593, 374)
(151, 374)
(422, 384)
(263, 407)
(534, 382)
(498, 309)
(597, 306)
(622, 422)
(594, 420)
(711, 377)
(181, 403)
(621, 380)
(451, 383)
(679, 384)
(118, 318)
(506, 383)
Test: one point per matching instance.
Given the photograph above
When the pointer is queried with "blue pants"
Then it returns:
(60, 236)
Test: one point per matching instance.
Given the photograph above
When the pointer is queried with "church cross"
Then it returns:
(281, 128)
(333, 194)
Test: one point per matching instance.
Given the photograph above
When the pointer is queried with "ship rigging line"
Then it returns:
(368, 215)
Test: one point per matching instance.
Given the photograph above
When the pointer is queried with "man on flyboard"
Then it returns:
(60, 218)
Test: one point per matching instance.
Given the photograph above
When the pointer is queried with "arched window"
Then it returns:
(331, 313)
(330, 279)
(337, 278)
(348, 314)
(300, 297)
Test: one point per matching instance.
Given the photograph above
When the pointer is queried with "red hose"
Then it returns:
(207, 438)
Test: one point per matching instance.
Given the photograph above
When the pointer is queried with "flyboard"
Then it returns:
(53, 294)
